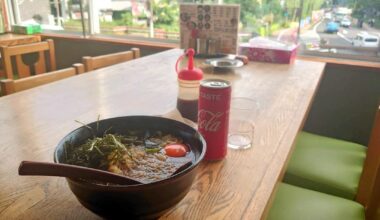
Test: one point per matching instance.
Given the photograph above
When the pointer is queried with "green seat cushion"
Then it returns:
(326, 164)
(295, 203)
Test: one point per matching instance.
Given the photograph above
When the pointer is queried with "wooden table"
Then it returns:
(10, 39)
(32, 122)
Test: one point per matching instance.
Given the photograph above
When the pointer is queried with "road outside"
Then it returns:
(340, 42)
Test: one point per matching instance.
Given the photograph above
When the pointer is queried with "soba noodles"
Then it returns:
(145, 157)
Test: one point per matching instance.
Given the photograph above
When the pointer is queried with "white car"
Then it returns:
(328, 15)
(345, 23)
(365, 40)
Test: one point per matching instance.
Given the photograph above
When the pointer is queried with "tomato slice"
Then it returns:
(175, 150)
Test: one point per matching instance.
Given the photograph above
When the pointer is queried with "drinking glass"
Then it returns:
(241, 126)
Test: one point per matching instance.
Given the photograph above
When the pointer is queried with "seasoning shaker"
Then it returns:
(188, 87)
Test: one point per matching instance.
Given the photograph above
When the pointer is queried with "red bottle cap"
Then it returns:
(191, 72)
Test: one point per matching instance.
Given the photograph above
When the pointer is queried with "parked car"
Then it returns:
(345, 22)
(332, 27)
(365, 40)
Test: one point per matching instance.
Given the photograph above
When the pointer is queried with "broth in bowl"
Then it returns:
(144, 156)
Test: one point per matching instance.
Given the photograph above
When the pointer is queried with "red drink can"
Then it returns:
(213, 116)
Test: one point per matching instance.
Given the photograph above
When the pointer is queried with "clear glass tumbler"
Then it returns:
(241, 126)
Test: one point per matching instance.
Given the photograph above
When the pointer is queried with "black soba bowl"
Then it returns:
(142, 201)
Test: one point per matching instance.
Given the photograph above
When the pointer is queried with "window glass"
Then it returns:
(276, 19)
(52, 15)
(158, 19)
(320, 27)
(371, 40)
(336, 32)
(148, 19)
(2, 17)
(77, 16)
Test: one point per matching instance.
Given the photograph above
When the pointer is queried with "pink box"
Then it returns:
(268, 53)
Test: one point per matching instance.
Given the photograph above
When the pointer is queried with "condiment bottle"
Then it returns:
(188, 87)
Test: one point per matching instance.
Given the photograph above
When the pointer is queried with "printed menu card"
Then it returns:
(211, 29)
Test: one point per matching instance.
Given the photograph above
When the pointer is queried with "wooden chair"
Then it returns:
(93, 63)
(19, 51)
(337, 167)
(9, 86)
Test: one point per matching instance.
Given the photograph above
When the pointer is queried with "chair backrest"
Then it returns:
(18, 51)
(9, 86)
(93, 63)
(371, 163)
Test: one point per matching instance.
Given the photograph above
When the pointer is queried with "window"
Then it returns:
(148, 19)
(52, 15)
(371, 40)
(320, 27)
